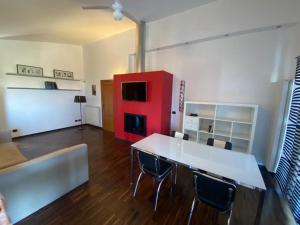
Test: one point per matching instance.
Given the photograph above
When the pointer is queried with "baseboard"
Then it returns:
(92, 125)
(49, 131)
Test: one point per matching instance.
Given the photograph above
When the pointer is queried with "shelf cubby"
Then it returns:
(202, 137)
(223, 128)
(221, 137)
(205, 111)
(193, 135)
(204, 125)
(191, 123)
(241, 131)
(235, 113)
(240, 145)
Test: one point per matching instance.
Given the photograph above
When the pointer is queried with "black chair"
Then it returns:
(210, 141)
(184, 137)
(215, 192)
(227, 145)
(157, 168)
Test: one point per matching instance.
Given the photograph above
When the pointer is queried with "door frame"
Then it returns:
(102, 82)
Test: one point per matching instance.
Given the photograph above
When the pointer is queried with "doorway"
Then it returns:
(107, 103)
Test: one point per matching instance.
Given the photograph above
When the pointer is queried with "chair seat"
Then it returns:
(164, 169)
(215, 201)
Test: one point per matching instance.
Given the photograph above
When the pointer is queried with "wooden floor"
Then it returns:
(107, 197)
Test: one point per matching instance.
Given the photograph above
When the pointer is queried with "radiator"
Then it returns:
(93, 115)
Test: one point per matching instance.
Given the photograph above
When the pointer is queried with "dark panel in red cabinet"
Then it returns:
(157, 108)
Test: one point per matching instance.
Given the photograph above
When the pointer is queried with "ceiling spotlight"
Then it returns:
(118, 15)
(117, 7)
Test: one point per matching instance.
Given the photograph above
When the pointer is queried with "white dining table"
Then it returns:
(240, 167)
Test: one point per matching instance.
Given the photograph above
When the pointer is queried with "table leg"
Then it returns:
(131, 165)
(260, 207)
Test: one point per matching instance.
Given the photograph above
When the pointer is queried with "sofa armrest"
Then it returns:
(5, 136)
(29, 186)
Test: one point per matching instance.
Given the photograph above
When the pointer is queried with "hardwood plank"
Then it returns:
(107, 197)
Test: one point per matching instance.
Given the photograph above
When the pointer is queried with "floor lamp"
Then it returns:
(80, 99)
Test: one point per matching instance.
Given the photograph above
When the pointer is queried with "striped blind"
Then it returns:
(288, 171)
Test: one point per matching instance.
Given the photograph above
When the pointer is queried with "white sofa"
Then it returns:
(33, 184)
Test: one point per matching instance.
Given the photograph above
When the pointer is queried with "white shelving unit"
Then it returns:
(229, 122)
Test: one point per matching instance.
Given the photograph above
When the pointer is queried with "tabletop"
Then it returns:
(240, 167)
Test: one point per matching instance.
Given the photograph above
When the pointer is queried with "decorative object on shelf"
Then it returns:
(63, 74)
(80, 99)
(94, 92)
(194, 114)
(210, 129)
(29, 70)
(49, 85)
(181, 96)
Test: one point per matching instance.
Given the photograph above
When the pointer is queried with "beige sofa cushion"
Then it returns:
(10, 155)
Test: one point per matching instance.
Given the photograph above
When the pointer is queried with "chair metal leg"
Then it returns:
(192, 211)
(260, 207)
(137, 184)
(131, 165)
(157, 194)
(229, 218)
(176, 166)
(171, 176)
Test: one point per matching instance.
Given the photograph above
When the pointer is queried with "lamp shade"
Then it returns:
(80, 99)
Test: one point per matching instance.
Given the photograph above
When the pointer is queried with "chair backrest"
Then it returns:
(5, 136)
(220, 144)
(210, 142)
(179, 135)
(148, 162)
(228, 145)
(212, 188)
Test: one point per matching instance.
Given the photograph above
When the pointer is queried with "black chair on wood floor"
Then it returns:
(214, 192)
(176, 134)
(157, 168)
(226, 145)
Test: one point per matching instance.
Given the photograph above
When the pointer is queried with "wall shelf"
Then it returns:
(229, 122)
(41, 89)
(44, 77)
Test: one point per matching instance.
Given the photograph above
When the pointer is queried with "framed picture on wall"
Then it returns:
(94, 92)
(68, 75)
(29, 70)
(181, 95)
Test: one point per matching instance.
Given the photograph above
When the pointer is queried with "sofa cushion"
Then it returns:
(10, 155)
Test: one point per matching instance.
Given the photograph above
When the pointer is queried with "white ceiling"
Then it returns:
(63, 21)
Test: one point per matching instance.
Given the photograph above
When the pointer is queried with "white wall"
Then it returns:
(33, 111)
(102, 60)
(235, 69)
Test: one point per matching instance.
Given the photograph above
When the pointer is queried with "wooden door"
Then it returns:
(107, 99)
